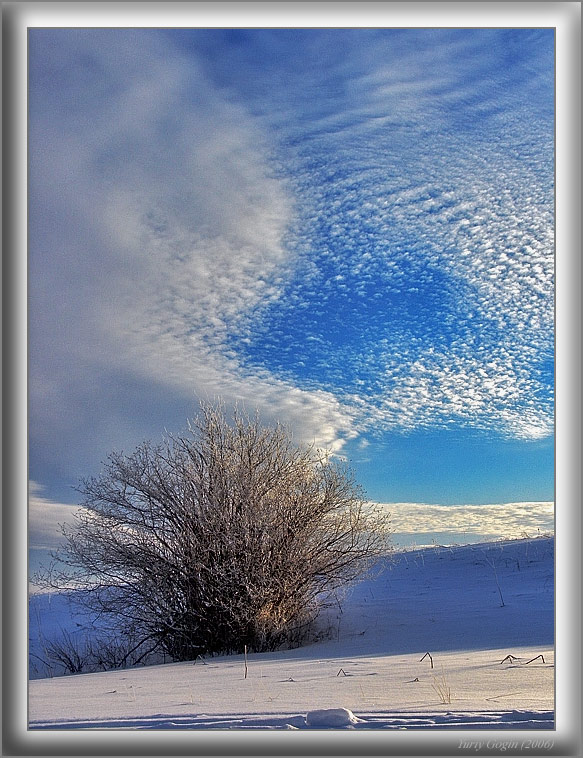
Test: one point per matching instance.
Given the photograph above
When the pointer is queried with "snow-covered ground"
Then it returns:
(442, 638)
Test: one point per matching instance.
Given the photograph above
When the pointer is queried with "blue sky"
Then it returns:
(349, 230)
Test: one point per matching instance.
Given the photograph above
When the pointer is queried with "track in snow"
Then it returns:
(520, 719)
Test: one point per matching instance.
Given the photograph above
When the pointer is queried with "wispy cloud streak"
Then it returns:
(157, 221)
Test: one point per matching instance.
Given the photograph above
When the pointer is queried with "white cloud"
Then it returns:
(169, 228)
(45, 518)
(411, 521)
(483, 522)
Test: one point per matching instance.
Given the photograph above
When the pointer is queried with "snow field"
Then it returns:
(425, 642)
(371, 687)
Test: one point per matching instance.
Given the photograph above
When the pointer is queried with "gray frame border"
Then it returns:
(565, 17)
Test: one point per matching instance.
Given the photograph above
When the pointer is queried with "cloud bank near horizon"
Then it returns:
(414, 523)
(408, 520)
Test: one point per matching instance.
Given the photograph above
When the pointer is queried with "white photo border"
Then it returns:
(565, 18)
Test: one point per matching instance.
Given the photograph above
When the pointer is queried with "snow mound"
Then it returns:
(331, 717)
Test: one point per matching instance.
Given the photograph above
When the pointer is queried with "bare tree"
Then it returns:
(71, 653)
(224, 537)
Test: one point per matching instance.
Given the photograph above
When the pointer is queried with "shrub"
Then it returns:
(226, 536)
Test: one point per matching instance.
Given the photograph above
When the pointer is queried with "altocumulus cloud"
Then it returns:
(350, 229)
(423, 292)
